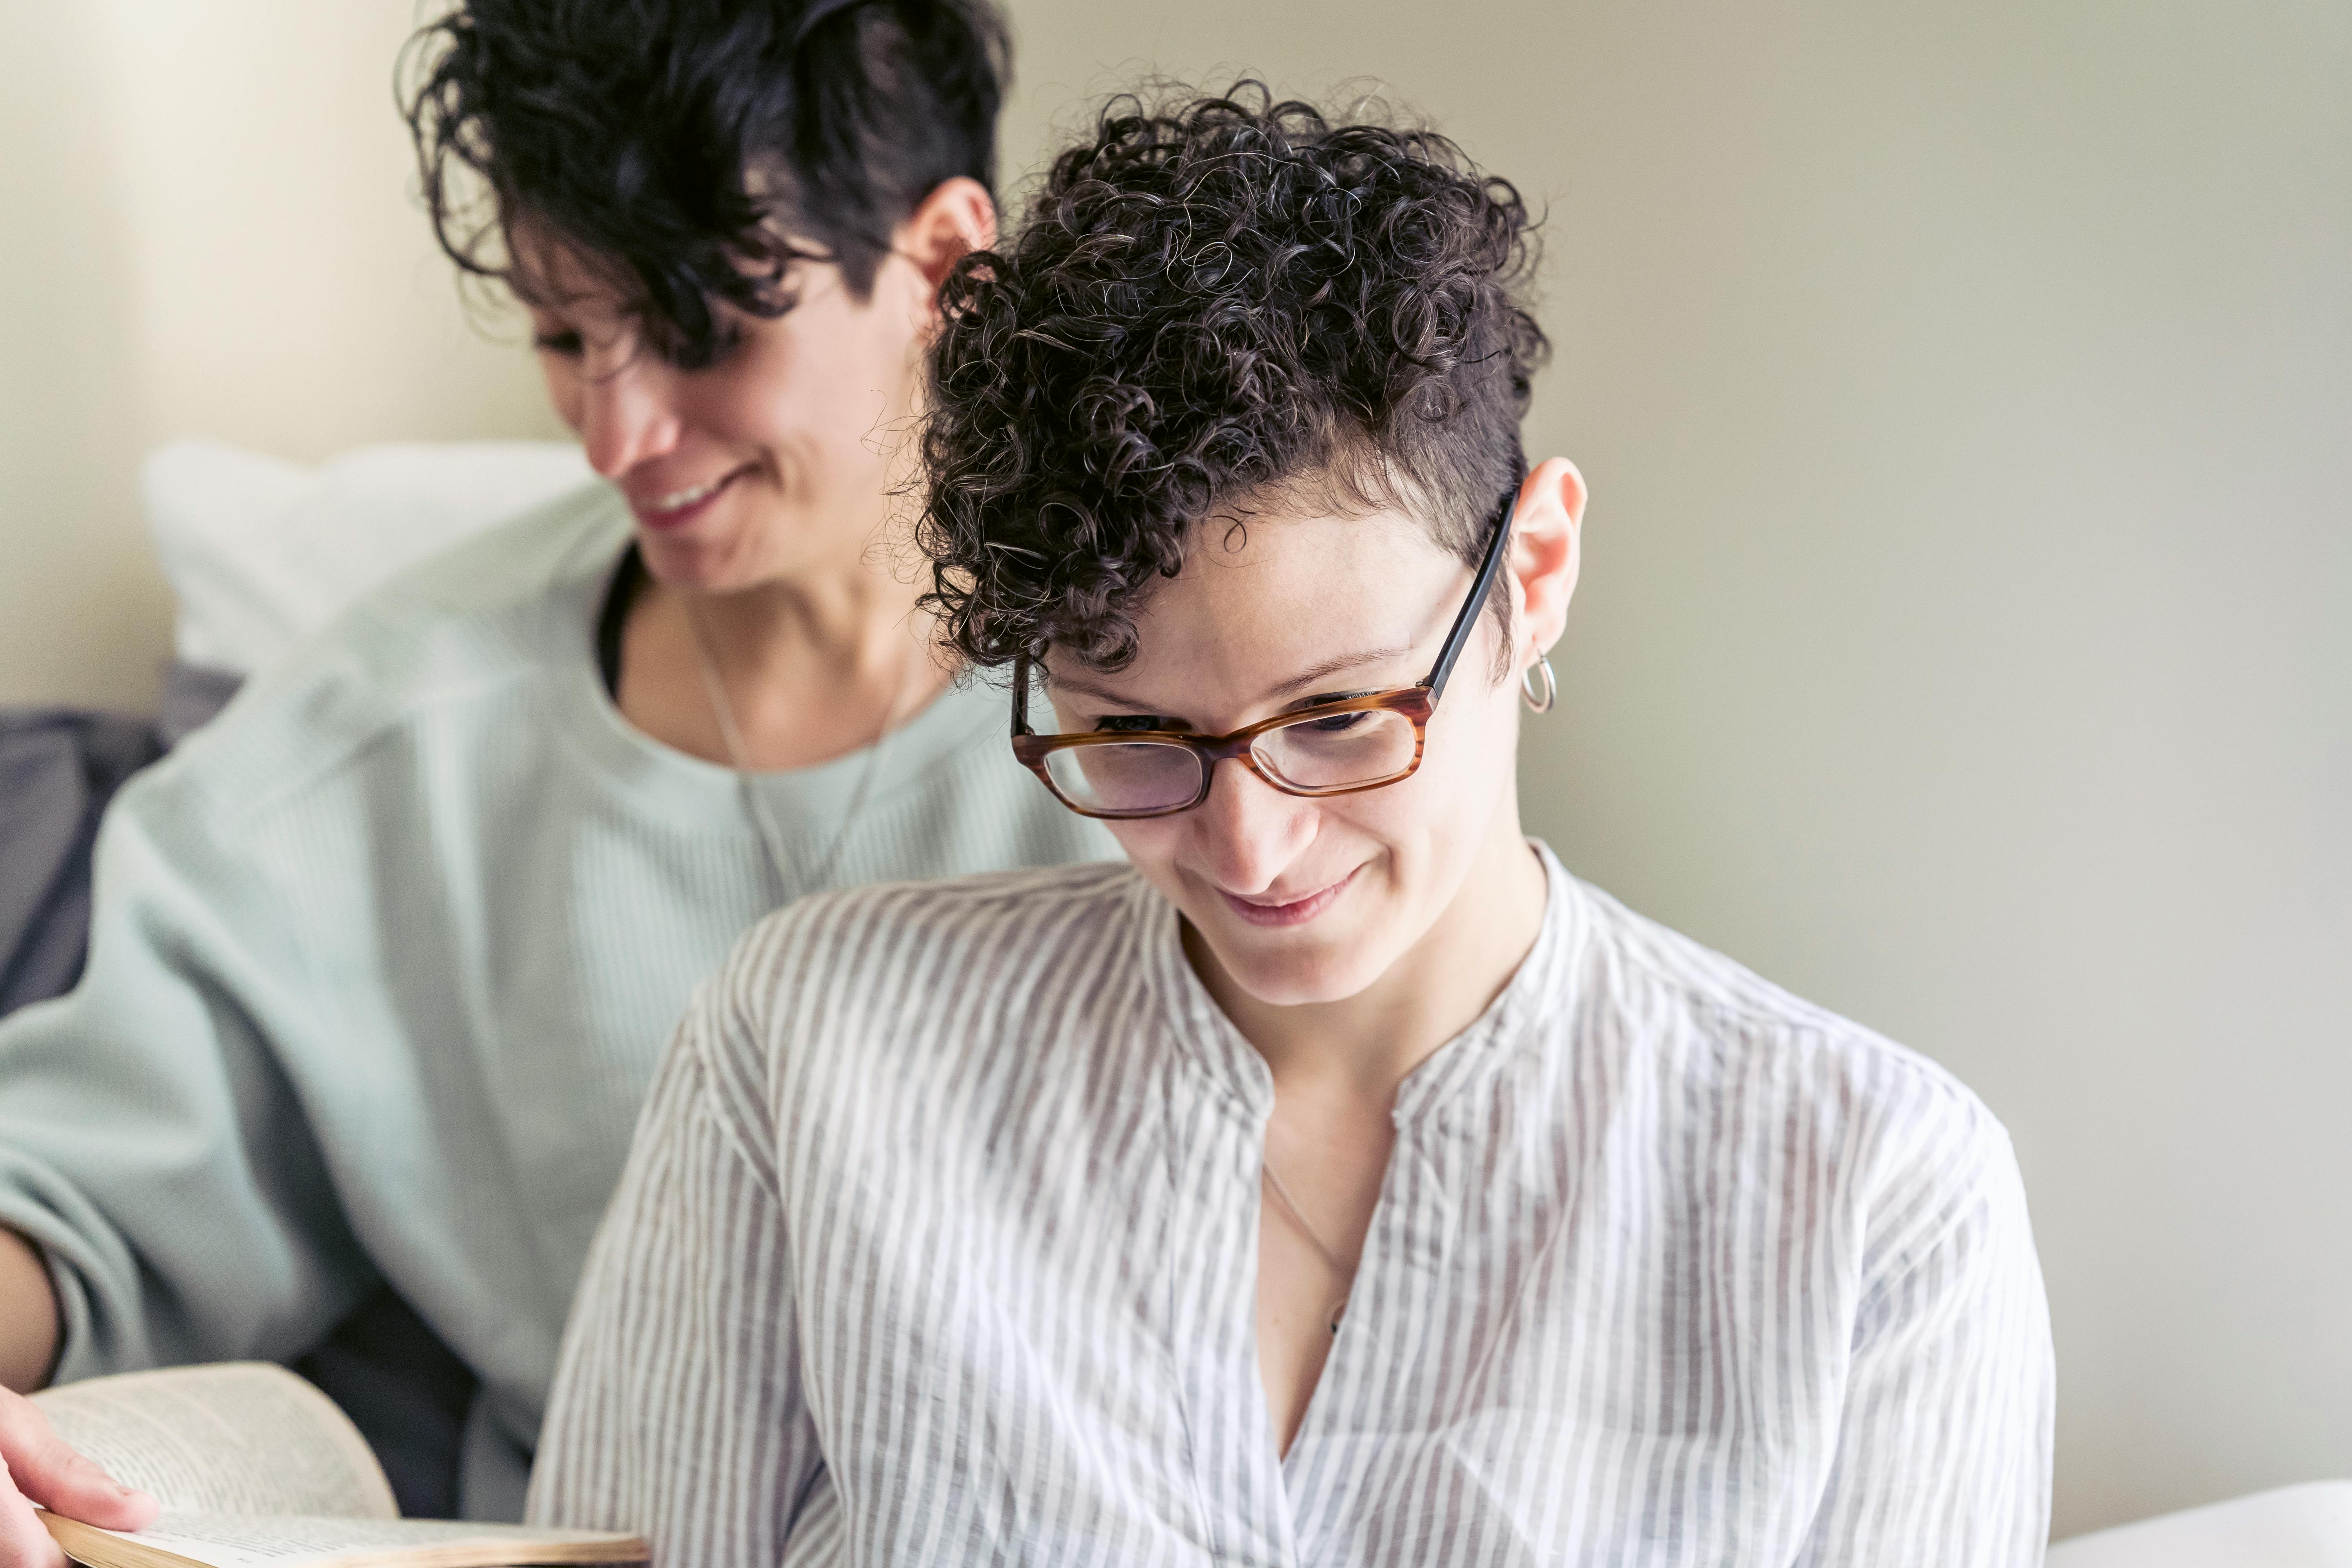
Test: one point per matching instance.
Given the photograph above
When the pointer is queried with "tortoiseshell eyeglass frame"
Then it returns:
(1415, 702)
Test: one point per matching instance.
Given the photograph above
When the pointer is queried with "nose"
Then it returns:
(1248, 830)
(625, 418)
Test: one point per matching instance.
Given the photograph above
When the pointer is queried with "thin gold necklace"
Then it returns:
(763, 825)
(1331, 1258)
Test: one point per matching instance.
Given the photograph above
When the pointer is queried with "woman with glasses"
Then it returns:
(1341, 1181)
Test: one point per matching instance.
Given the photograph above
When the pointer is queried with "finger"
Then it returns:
(23, 1543)
(48, 1471)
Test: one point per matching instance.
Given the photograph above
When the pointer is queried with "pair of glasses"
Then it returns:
(1338, 747)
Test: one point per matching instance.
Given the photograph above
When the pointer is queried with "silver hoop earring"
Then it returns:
(1551, 687)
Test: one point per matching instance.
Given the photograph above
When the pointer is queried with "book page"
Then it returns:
(237, 1438)
(226, 1540)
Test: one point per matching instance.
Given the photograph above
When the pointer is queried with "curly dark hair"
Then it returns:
(1210, 305)
(693, 149)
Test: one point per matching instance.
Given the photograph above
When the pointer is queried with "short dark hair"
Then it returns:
(1210, 303)
(695, 148)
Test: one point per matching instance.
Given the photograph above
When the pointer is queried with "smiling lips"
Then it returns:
(1263, 912)
(680, 507)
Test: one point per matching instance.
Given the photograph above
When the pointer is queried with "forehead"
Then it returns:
(1266, 594)
(547, 272)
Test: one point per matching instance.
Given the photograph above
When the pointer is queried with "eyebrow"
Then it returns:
(1321, 670)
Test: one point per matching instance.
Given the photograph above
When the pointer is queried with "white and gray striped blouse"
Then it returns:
(939, 1242)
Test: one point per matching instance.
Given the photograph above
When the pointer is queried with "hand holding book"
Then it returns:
(252, 1467)
(38, 1470)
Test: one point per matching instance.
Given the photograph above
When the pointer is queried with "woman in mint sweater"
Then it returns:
(383, 960)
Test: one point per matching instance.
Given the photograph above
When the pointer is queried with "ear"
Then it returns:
(957, 217)
(1545, 556)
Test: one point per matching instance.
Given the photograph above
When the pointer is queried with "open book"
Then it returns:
(255, 1468)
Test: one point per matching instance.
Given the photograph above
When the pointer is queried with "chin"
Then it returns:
(1292, 970)
(696, 565)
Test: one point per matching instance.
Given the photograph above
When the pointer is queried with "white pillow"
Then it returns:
(2306, 1526)
(262, 553)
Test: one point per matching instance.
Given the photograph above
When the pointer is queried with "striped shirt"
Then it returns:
(939, 1244)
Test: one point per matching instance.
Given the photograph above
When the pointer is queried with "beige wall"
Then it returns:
(208, 232)
(1965, 398)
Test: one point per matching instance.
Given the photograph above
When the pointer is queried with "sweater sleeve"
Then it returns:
(151, 1143)
(677, 1412)
(1943, 1456)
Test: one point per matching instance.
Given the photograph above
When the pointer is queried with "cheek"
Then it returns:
(1400, 833)
(1475, 732)
(563, 392)
(751, 399)
(1464, 772)
(807, 387)
(1151, 843)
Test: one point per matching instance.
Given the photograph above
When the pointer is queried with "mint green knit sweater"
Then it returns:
(383, 962)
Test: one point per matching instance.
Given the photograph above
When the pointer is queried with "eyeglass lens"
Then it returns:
(1135, 778)
(1335, 752)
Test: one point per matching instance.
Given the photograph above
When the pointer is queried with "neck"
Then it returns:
(850, 625)
(811, 669)
(1368, 1043)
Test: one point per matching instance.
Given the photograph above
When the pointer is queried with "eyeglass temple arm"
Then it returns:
(1460, 635)
(1438, 673)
